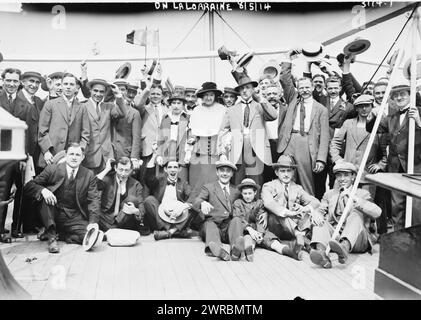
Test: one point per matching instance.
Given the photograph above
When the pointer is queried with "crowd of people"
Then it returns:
(268, 163)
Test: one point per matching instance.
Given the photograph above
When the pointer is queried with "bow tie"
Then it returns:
(170, 183)
(245, 102)
(174, 123)
(403, 111)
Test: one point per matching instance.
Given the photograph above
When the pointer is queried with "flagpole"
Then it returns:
(159, 55)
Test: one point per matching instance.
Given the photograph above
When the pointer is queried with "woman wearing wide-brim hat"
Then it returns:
(205, 121)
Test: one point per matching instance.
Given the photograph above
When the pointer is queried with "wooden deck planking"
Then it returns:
(179, 269)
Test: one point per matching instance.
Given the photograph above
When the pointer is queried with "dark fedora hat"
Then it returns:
(285, 161)
(244, 81)
(230, 90)
(208, 87)
(177, 96)
(93, 82)
(356, 46)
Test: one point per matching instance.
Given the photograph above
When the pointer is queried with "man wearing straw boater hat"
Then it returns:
(246, 122)
(289, 206)
(396, 125)
(214, 204)
(100, 114)
(358, 233)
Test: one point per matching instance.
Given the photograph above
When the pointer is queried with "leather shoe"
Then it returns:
(293, 250)
(17, 234)
(237, 249)
(160, 235)
(249, 253)
(320, 258)
(5, 238)
(43, 236)
(144, 230)
(218, 251)
(53, 245)
(340, 250)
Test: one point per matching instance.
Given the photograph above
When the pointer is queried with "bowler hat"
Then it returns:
(248, 183)
(34, 74)
(208, 87)
(244, 81)
(230, 90)
(177, 96)
(176, 206)
(364, 99)
(343, 166)
(93, 238)
(91, 83)
(407, 68)
(225, 163)
(284, 161)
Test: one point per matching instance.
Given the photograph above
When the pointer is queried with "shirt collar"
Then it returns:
(69, 170)
(69, 102)
(224, 185)
(13, 95)
(94, 103)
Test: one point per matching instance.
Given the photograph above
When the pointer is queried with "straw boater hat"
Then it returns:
(364, 99)
(285, 161)
(248, 183)
(271, 68)
(401, 85)
(91, 83)
(407, 68)
(177, 97)
(208, 87)
(343, 166)
(93, 238)
(312, 51)
(245, 81)
(176, 206)
(225, 163)
(190, 89)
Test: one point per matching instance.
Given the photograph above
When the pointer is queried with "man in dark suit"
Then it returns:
(214, 203)
(304, 132)
(62, 120)
(168, 192)
(121, 197)
(396, 125)
(70, 198)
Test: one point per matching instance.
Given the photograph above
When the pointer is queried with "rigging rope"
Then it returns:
(190, 31)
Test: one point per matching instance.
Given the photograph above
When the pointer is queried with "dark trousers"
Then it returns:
(155, 222)
(70, 224)
(122, 221)
(225, 232)
(269, 173)
(285, 228)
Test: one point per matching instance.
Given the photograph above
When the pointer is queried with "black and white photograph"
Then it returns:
(229, 152)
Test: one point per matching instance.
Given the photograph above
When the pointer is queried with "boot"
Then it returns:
(161, 235)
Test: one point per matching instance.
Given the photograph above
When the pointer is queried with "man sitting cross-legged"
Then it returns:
(357, 234)
(121, 197)
(289, 206)
(254, 216)
(71, 198)
(167, 209)
(215, 204)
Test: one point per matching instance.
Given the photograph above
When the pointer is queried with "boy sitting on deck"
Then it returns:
(254, 217)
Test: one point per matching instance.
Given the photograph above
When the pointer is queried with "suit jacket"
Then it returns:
(398, 141)
(157, 188)
(366, 208)
(274, 199)
(233, 121)
(164, 136)
(59, 126)
(341, 111)
(87, 195)
(108, 188)
(127, 135)
(355, 146)
(318, 134)
(212, 193)
(100, 146)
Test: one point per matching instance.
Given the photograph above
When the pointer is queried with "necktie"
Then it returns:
(98, 110)
(246, 114)
(172, 183)
(302, 117)
(227, 198)
(10, 99)
(117, 200)
(286, 195)
(72, 175)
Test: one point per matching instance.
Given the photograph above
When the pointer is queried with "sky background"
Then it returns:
(30, 34)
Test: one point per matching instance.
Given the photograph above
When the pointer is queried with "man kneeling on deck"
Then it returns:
(167, 210)
(121, 197)
(215, 203)
(71, 198)
(289, 208)
(357, 233)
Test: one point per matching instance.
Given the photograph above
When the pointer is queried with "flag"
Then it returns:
(143, 37)
(169, 85)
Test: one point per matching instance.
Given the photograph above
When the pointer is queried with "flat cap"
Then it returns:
(343, 166)
(34, 74)
(364, 99)
(225, 163)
